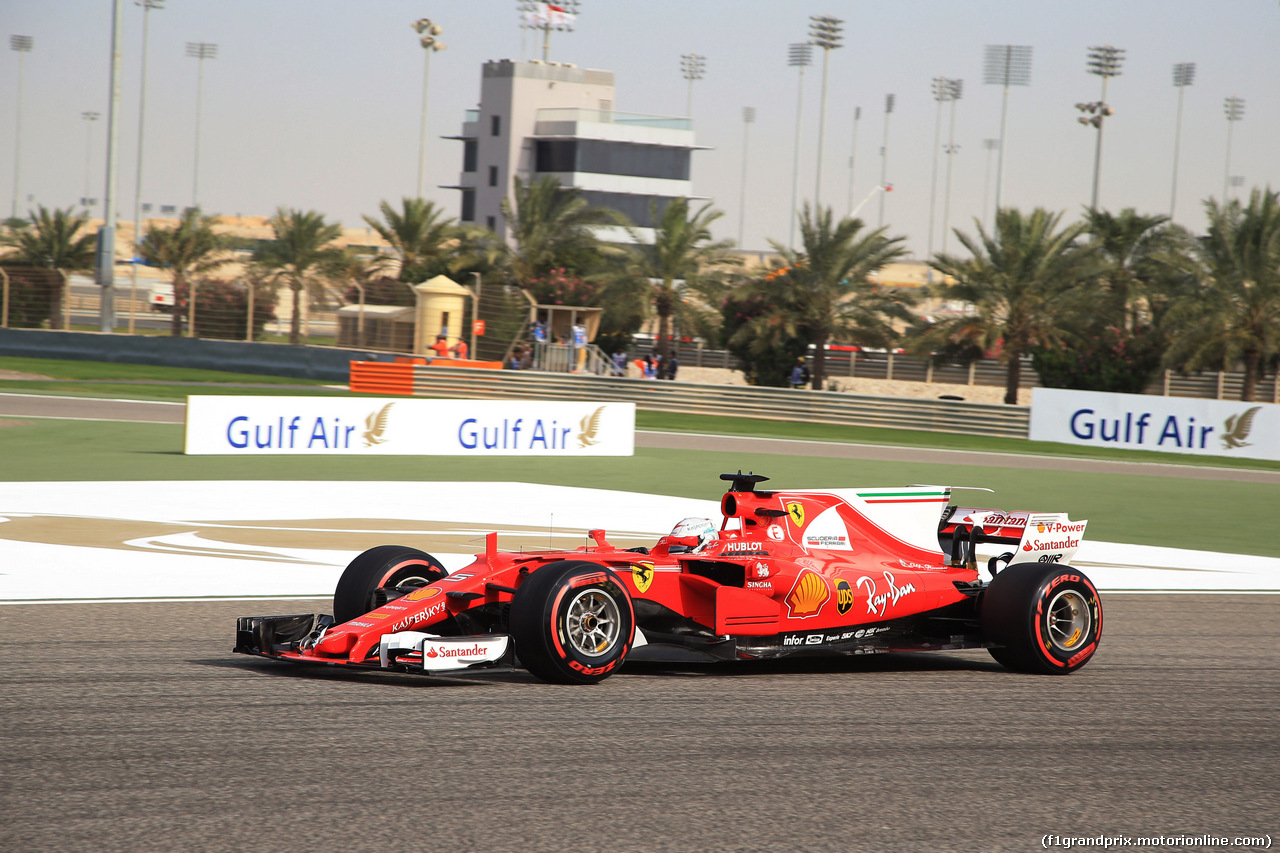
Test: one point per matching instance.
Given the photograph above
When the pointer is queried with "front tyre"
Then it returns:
(372, 579)
(1041, 618)
(572, 622)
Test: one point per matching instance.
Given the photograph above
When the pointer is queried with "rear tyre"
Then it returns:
(1041, 618)
(370, 580)
(572, 622)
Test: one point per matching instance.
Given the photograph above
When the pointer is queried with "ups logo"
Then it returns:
(844, 597)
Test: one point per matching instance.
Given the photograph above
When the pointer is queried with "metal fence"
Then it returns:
(776, 404)
(1216, 385)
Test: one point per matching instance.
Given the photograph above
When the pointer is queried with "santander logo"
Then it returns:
(447, 652)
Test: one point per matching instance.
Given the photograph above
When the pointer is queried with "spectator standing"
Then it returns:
(673, 364)
(800, 374)
(440, 347)
(460, 350)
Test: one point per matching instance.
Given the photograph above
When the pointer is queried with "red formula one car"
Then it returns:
(803, 572)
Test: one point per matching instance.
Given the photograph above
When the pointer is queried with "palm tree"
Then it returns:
(1020, 282)
(419, 234)
(189, 249)
(301, 257)
(553, 228)
(53, 240)
(1138, 254)
(681, 262)
(1234, 312)
(821, 293)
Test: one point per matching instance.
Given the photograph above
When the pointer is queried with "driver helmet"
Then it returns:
(694, 534)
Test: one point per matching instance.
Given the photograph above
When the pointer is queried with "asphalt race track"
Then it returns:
(131, 727)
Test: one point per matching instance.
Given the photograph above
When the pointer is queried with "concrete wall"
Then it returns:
(323, 363)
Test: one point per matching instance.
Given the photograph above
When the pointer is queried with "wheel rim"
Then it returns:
(592, 623)
(1069, 620)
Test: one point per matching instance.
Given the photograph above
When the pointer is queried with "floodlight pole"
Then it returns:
(147, 6)
(800, 55)
(1184, 74)
(748, 117)
(941, 94)
(824, 31)
(22, 45)
(957, 89)
(107, 234)
(200, 51)
(1005, 65)
(430, 44)
(1104, 61)
(884, 156)
(692, 66)
(1234, 109)
(853, 155)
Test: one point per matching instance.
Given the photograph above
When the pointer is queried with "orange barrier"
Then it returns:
(380, 377)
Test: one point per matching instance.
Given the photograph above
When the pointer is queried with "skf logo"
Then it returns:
(844, 596)
(642, 576)
(375, 425)
(796, 511)
(808, 595)
(423, 593)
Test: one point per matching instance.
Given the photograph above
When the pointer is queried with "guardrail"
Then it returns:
(775, 404)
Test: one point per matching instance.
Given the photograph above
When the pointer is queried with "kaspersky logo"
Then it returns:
(1237, 428)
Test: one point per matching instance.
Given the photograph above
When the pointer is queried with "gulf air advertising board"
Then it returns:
(1147, 422)
(333, 426)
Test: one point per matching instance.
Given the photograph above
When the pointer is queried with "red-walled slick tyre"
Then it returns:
(572, 622)
(382, 568)
(1042, 618)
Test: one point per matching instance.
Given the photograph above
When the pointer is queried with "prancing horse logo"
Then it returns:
(796, 511)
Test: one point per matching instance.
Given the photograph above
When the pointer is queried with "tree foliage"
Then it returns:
(187, 250)
(1021, 280)
(1233, 312)
(821, 294)
(301, 256)
(553, 227)
(422, 237)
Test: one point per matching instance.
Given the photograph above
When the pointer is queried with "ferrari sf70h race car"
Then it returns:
(785, 573)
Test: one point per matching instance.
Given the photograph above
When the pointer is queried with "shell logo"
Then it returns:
(807, 595)
(1040, 528)
(423, 593)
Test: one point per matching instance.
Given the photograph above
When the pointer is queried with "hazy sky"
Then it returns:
(316, 104)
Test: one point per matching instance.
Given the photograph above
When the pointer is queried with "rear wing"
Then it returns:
(1045, 537)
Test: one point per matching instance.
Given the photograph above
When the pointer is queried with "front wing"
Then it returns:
(288, 638)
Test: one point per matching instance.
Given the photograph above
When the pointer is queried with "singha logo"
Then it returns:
(589, 426)
(1236, 429)
(375, 425)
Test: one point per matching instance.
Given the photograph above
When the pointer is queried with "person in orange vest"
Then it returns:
(460, 349)
(441, 347)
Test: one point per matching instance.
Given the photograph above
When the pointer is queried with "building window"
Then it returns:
(491, 223)
(493, 176)
(612, 158)
(468, 206)
(634, 206)
(495, 125)
(469, 149)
